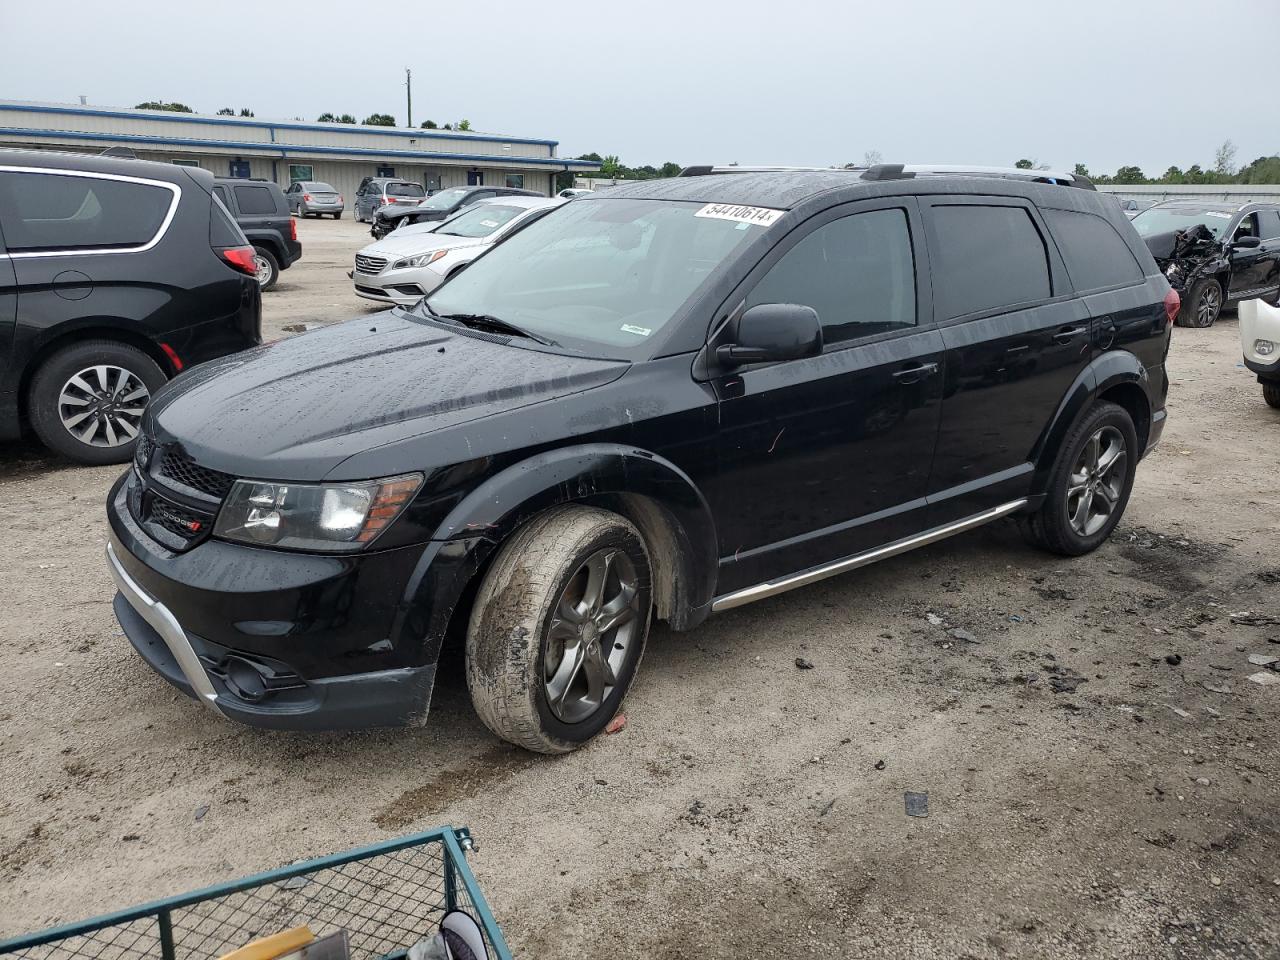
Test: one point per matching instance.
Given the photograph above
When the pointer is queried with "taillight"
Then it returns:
(306, 197)
(1172, 304)
(239, 258)
(293, 229)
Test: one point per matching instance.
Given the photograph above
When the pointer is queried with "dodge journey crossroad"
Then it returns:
(665, 401)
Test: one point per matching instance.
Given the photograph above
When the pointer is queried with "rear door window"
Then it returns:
(1270, 224)
(987, 258)
(1096, 255)
(857, 272)
(49, 212)
(255, 200)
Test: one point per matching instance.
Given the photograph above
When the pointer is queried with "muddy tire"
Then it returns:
(1271, 393)
(558, 628)
(1090, 483)
(1203, 307)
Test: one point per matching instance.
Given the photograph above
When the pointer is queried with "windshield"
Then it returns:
(405, 190)
(1155, 221)
(443, 200)
(480, 220)
(610, 272)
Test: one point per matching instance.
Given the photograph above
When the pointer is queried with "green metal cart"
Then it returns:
(387, 896)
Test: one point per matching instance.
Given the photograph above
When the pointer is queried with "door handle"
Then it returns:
(1069, 333)
(915, 374)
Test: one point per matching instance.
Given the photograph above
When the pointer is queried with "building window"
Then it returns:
(515, 180)
(240, 169)
(185, 163)
(301, 171)
(386, 171)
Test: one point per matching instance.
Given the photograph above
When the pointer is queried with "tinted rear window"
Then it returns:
(42, 211)
(405, 190)
(254, 200)
(1096, 255)
(987, 258)
(223, 229)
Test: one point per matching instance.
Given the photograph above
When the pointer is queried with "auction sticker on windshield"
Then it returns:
(759, 216)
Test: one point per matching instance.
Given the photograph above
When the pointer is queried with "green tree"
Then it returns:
(610, 166)
(246, 112)
(1081, 170)
(226, 112)
(1173, 175)
(346, 118)
(462, 125)
(379, 120)
(326, 117)
(1262, 170)
(447, 126)
(1224, 160)
(670, 169)
(1194, 174)
(429, 125)
(1129, 175)
(1024, 164)
(161, 105)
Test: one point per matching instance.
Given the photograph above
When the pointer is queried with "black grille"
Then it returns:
(178, 467)
(178, 520)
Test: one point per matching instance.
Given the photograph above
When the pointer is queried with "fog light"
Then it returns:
(1263, 348)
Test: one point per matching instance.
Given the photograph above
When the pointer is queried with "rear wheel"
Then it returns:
(558, 628)
(1203, 307)
(86, 400)
(266, 269)
(1271, 393)
(1090, 483)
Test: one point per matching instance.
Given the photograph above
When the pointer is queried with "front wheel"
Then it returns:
(1090, 483)
(86, 400)
(558, 628)
(1271, 393)
(1203, 307)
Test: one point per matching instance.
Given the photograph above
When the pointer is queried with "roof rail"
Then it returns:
(900, 171)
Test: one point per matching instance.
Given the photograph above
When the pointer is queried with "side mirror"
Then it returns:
(1246, 243)
(772, 332)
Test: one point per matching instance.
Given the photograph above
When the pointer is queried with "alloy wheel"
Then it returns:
(262, 269)
(1209, 306)
(102, 405)
(1097, 481)
(592, 629)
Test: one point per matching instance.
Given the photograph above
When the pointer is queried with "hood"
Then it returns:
(295, 409)
(408, 245)
(1177, 244)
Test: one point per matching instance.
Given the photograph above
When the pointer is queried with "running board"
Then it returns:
(814, 574)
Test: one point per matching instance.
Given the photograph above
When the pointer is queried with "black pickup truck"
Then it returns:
(261, 210)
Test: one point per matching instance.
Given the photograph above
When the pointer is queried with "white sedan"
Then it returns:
(407, 264)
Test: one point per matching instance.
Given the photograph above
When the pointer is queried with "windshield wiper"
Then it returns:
(487, 321)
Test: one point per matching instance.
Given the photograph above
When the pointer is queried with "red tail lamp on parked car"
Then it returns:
(239, 258)
(1172, 303)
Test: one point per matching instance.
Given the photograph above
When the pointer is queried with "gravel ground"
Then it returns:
(749, 807)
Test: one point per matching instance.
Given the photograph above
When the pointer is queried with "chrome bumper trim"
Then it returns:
(171, 632)
(774, 587)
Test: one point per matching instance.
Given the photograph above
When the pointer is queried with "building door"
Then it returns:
(475, 178)
(240, 169)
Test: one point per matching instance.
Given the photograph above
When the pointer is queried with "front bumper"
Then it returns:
(273, 639)
(404, 287)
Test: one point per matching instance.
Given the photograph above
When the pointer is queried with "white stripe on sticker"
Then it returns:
(638, 331)
(759, 216)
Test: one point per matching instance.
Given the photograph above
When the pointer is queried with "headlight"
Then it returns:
(419, 261)
(301, 516)
(1263, 348)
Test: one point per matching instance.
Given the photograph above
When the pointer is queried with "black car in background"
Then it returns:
(439, 206)
(115, 275)
(667, 400)
(1214, 254)
(262, 212)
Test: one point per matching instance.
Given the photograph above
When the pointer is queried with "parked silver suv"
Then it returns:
(378, 192)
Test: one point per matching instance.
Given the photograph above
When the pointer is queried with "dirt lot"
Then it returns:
(749, 808)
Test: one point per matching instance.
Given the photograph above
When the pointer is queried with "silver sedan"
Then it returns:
(314, 198)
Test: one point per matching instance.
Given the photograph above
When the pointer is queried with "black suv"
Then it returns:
(1214, 254)
(261, 210)
(670, 399)
(439, 206)
(115, 275)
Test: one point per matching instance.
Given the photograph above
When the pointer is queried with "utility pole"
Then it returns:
(408, 92)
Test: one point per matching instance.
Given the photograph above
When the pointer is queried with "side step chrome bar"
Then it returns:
(774, 587)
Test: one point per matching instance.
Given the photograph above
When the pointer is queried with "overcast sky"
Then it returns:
(786, 81)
